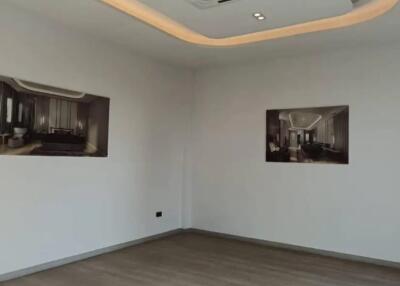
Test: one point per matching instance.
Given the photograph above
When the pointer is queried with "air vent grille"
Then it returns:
(207, 4)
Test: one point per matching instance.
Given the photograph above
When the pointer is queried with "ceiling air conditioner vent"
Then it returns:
(207, 4)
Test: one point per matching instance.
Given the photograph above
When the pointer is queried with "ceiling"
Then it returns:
(99, 20)
(235, 17)
(69, 94)
(306, 118)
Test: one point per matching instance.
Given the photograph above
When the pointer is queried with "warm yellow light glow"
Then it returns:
(360, 14)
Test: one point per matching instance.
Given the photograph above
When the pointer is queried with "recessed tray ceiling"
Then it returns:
(234, 17)
(304, 120)
(220, 23)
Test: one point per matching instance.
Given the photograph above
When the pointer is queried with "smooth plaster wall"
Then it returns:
(351, 209)
(55, 207)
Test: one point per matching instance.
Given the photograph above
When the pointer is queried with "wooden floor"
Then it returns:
(190, 259)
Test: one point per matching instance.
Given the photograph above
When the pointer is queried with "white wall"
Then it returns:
(351, 209)
(51, 208)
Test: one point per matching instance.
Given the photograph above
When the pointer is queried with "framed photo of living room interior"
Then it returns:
(42, 120)
(308, 135)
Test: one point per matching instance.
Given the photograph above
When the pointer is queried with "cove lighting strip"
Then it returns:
(359, 14)
(49, 90)
(319, 117)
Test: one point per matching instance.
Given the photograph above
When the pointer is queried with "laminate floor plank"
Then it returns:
(192, 259)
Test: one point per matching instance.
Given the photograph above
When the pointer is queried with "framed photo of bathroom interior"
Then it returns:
(42, 120)
(308, 135)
